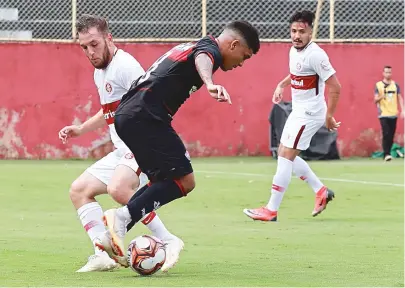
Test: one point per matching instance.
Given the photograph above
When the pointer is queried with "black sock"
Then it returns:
(153, 197)
(137, 194)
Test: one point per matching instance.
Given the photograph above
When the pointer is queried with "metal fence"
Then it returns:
(184, 20)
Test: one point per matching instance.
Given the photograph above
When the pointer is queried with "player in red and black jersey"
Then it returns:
(143, 119)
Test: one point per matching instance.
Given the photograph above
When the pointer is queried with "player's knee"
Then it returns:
(189, 187)
(121, 193)
(188, 183)
(77, 192)
(287, 153)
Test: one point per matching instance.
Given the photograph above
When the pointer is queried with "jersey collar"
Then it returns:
(309, 43)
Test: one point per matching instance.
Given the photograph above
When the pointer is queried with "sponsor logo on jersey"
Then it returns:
(297, 82)
(304, 82)
(109, 111)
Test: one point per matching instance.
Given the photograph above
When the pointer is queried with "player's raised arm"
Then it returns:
(95, 122)
(205, 66)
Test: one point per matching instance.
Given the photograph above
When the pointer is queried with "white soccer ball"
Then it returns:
(146, 255)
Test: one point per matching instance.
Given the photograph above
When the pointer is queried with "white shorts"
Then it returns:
(298, 131)
(104, 168)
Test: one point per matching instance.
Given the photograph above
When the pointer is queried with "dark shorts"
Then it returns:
(157, 148)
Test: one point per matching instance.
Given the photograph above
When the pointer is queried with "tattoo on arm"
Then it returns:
(204, 67)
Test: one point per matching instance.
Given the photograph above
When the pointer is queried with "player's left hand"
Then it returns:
(219, 93)
(331, 123)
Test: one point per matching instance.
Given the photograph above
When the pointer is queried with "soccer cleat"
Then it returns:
(116, 227)
(173, 245)
(323, 197)
(388, 158)
(104, 244)
(262, 214)
(99, 262)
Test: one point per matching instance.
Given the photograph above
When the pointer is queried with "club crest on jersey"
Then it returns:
(129, 156)
(299, 66)
(108, 87)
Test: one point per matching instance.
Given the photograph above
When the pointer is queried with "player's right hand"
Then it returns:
(278, 95)
(68, 132)
(219, 93)
(331, 124)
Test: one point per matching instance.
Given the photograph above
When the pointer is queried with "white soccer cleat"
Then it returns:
(104, 244)
(174, 245)
(99, 262)
(116, 228)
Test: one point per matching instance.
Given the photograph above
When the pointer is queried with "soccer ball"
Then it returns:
(146, 254)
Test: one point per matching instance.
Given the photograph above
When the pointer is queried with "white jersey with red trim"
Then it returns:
(309, 69)
(112, 83)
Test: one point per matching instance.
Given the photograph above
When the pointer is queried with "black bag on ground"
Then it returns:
(323, 145)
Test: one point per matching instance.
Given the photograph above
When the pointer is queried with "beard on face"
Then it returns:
(104, 61)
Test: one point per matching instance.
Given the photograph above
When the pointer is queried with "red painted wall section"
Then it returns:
(48, 86)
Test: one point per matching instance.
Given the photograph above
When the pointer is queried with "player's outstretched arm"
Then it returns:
(333, 99)
(95, 122)
(204, 67)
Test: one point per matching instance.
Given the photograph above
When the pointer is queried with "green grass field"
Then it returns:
(357, 241)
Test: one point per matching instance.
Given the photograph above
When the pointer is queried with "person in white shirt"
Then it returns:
(117, 174)
(310, 71)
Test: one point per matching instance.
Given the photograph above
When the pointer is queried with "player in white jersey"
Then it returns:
(117, 173)
(310, 70)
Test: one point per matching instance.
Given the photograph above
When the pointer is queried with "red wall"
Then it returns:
(47, 86)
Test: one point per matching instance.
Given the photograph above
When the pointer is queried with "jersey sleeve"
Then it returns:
(130, 71)
(319, 61)
(211, 49)
(376, 89)
(398, 89)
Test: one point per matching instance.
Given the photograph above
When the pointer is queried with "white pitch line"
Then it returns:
(327, 179)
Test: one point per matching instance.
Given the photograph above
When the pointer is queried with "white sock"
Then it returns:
(302, 170)
(91, 216)
(156, 226)
(124, 214)
(281, 180)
